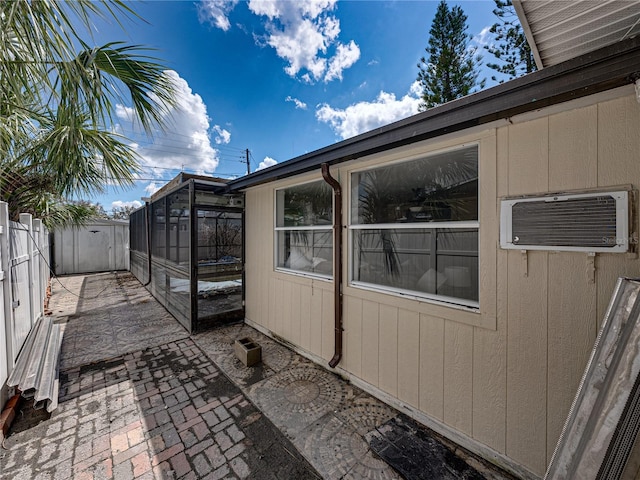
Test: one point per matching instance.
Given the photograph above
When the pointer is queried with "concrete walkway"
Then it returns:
(139, 398)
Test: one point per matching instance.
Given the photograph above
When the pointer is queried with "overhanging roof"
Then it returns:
(605, 69)
(183, 177)
(558, 30)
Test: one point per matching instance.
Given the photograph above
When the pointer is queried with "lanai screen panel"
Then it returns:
(170, 275)
(220, 260)
(138, 244)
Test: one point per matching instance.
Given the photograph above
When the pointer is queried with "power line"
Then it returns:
(165, 133)
(174, 169)
(159, 180)
(167, 136)
(185, 152)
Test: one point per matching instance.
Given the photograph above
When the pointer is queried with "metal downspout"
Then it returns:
(337, 262)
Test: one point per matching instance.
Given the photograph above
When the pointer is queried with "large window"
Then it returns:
(304, 228)
(414, 227)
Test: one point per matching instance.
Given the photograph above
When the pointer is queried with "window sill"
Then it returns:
(303, 274)
(466, 314)
(466, 305)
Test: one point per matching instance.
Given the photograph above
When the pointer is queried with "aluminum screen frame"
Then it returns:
(604, 412)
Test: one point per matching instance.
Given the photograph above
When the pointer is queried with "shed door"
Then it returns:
(220, 265)
(95, 249)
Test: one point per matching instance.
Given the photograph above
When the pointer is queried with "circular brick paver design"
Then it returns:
(215, 343)
(301, 391)
(300, 394)
(234, 368)
(339, 452)
(365, 414)
(276, 356)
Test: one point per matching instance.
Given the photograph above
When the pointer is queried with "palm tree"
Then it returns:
(57, 97)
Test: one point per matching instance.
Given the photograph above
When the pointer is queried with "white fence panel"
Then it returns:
(37, 260)
(5, 299)
(20, 277)
(24, 278)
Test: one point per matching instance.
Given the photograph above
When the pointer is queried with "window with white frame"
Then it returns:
(414, 227)
(304, 228)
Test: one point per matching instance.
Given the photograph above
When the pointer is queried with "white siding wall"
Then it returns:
(502, 379)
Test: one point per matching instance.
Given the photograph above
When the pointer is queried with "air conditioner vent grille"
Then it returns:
(591, 222)
(580, 222)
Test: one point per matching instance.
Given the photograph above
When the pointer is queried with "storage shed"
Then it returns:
(434, 261)
(99, 246)
(186, 248)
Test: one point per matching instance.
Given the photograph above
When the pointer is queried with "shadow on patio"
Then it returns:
(139, 398)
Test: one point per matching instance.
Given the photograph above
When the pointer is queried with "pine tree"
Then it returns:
(452, 70)
(511, 47)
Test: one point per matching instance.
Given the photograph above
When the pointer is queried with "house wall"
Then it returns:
(499, 380)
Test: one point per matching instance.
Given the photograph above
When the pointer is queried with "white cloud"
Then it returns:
(364, 116)
(216, 12)
(223, 136)
(125, 113)
(301, 33)
(152, 188)
(121, 204)
(345, 57)
(485, 37)
(299, 103)
(267, 162)
(185, 143)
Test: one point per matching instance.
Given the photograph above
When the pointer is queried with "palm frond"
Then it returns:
(56, 105)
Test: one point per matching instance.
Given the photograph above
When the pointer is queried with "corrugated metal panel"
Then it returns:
(36, 370)
(559, 30)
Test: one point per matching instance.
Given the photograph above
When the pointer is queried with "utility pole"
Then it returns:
(248, 163)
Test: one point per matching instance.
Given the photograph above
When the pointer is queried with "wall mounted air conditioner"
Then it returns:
(585, 222)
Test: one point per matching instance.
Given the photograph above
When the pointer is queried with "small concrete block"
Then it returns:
(248, 351)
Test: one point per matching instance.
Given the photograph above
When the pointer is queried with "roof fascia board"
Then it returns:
(170, 191)
(524, 21)
(217, 188)
(598, 71)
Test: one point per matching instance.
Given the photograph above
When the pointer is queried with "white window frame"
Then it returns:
(302, 228)
(466, 225)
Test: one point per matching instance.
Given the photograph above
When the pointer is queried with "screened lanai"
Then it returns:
(186, 248)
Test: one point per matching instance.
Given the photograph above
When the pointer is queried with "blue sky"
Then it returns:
(280, 78)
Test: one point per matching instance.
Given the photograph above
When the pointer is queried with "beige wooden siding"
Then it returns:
(409, 357)
(489, 345)
(352, 332)
(296, 308)
(431, 393)
(505, 376)
(370, 341)
(458, 375)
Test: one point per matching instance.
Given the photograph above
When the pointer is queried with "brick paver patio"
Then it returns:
(141, 399)
(164, 411)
